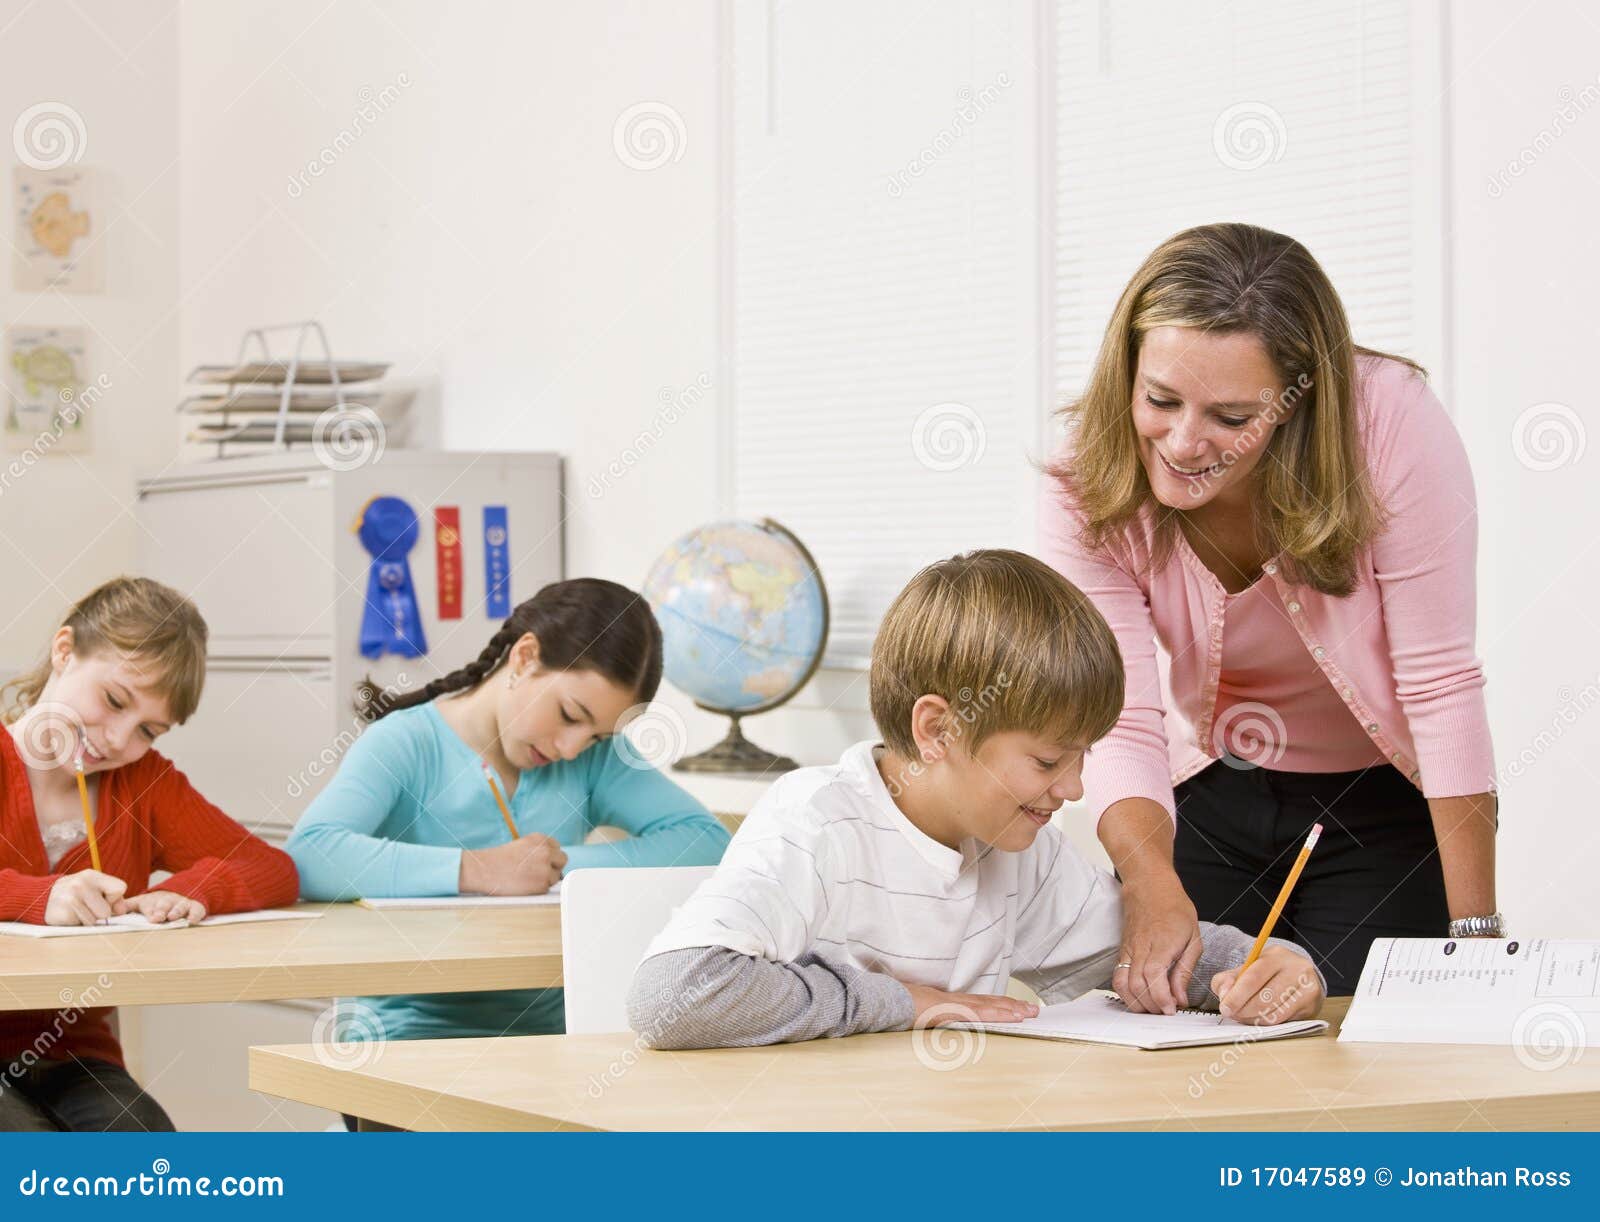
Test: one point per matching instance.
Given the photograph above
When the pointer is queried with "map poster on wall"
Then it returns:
(45, 377)
(56, 242)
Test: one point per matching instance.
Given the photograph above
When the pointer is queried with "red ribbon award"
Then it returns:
(447, 554)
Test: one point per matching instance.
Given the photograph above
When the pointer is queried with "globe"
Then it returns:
(744, 621)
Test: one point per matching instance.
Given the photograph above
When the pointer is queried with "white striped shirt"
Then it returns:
(826, 863)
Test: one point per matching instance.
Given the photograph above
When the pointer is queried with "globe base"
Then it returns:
(736, 753)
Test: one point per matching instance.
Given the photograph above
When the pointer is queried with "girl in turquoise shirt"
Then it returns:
(410, 813)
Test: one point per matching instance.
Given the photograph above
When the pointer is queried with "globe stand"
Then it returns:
(735, 753)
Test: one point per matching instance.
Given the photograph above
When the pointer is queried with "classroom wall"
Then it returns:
(66, 522)
(1525, 261)
(479, 229)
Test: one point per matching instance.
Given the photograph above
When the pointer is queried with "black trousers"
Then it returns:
(76, 1096)
(1374, 873)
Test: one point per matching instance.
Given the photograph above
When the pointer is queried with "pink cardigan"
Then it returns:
(1398, 649)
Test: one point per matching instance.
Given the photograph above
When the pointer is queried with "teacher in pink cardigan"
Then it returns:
(1280, 527)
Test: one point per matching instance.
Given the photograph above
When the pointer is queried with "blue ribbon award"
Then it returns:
(391, 621)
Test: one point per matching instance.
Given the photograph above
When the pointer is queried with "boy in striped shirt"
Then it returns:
(908, 883)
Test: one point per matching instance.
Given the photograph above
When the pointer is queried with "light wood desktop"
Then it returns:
(348, 950)
(881, 1082)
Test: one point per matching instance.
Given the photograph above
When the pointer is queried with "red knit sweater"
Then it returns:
(149, 818)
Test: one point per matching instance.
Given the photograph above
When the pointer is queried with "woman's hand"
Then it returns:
(528, 865)
(937, 1008)
(1278, 987)
(1161, 942)
(85, 898)
(159, 907)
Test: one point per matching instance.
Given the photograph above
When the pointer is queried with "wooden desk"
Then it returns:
(349, 950)
(879, 1082)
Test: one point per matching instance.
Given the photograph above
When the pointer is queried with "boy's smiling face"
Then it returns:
(1006, 791)
(1002, 793)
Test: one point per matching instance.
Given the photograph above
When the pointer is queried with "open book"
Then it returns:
(137, 922)
(552, 896)
(1101, 1018)
(1540, 992)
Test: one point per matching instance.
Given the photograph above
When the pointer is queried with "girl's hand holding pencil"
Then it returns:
(85, 898)
(529, 865)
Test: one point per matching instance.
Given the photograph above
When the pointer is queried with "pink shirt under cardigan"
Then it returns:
(1398, 650)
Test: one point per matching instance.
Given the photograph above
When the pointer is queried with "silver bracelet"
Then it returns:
(1491, 926)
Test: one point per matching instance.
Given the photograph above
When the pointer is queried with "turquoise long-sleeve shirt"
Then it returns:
(410, 796)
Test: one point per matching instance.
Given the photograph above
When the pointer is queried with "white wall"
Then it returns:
(481, 231)
(66, 522)
(1526, 262)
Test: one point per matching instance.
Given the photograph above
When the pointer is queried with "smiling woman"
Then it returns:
(1290, 518)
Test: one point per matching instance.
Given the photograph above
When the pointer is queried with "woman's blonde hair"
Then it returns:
(133, 617)
(1007, 641)
(1316, 502)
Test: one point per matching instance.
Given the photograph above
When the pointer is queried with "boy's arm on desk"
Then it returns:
(713, 997)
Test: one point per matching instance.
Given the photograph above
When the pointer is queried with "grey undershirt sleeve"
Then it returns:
(713, 997)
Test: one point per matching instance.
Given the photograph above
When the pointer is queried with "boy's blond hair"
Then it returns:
(1008, 642)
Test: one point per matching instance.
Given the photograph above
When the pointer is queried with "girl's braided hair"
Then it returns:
(582, 624)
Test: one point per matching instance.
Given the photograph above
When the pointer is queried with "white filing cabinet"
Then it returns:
(267, 550)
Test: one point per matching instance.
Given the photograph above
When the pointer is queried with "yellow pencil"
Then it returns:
(1283, 897)
(88, 817)
(505, 811)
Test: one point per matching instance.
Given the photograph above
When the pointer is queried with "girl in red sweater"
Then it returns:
(126, 666)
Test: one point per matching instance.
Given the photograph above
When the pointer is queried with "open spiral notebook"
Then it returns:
(1101, 1018)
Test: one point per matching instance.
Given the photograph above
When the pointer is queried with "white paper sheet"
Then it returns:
(1100, 1018)
(1539, 992)
(135, 922)
(550, 897)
